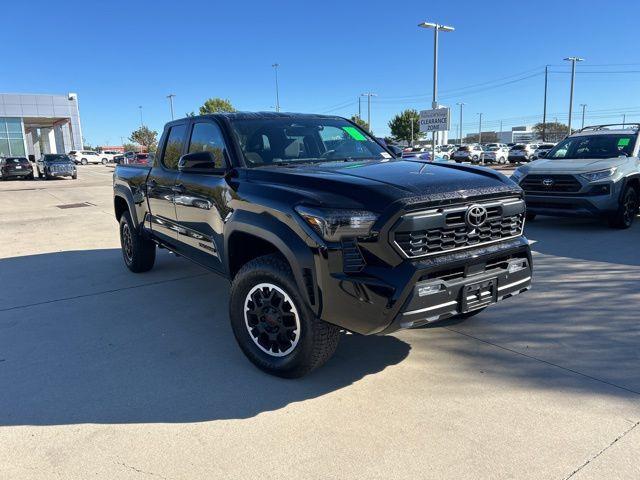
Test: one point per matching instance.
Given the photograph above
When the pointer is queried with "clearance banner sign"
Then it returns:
(437, 120)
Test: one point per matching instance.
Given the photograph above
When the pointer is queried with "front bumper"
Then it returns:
(380, 300)
(592, 200)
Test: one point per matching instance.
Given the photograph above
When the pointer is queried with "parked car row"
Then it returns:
(49, 165)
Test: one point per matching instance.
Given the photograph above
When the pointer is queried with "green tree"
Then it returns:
(130, 147)
(360, 122)
(554, 131)
(400, 126)
(145, 137)
(216, 105)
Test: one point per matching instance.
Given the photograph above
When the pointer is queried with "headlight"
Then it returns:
(599, 175)
(333, 224)
(517, 174)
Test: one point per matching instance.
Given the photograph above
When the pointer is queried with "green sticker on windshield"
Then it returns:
(355, 134)
(623, 142)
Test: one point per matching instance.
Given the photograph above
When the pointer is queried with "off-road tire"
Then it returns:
(138, 253)
(317, 340)
(627, 210)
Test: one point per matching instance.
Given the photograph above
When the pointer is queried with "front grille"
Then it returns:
(550, 183)
(424, 242)
(443, 230)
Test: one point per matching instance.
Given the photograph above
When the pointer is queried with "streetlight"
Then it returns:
(462, 104)
(170, 97)
(584, 106)
(141, 123)
(275, 68)
(480, 128)
(369, 95)
(434, 104)
(573, 61)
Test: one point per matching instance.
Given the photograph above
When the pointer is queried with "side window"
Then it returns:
(207, 137)
(173, 147)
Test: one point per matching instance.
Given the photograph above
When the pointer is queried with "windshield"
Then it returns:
(290, 140)
(594, 146)
(56, 158)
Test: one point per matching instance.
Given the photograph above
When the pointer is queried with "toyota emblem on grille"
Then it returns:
(476, 216)
(547, 182)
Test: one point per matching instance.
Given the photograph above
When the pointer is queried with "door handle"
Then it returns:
(178, 188)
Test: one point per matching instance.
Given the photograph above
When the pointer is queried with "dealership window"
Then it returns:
(11, 138)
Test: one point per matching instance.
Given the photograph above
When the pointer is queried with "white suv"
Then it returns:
(85, 157)
(521, 153)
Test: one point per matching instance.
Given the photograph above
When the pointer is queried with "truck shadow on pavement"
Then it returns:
(82, 340)
(585, 239)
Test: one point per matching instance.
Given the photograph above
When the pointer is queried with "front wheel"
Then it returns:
(272, 324)
(84, 161)
(139, 254)
(105, 161)
(474, 158)
(627, 210)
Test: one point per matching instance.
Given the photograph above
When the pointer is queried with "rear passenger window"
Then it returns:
(207, 137)
(173, 147)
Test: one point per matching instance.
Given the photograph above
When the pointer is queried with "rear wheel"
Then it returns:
(272, 324)
(139, 254)
(104, 161)
(474, 158)
(627, 210)
(84, 161)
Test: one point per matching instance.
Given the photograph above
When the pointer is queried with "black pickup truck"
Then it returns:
(320, 228)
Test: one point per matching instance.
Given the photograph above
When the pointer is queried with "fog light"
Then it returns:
(516, 267)
(428, 290)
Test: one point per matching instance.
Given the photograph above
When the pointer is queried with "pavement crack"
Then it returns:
(531, 357)
(619, 437)
(114, 290)
(138, 470)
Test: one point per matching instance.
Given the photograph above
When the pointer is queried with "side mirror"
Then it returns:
(199, 162)
(542, 154)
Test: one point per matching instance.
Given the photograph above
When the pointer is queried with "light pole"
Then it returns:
(434, 104)
(170, 97)
(369, 95)
(480, 128)
(141, 123)
(624, 120)
(275, 68)
(573, 61)
(462, 104)
(584, 106)
(544, 111)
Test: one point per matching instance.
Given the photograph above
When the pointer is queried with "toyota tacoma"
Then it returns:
(320, 229)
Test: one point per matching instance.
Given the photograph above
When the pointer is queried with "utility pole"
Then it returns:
(573, 61)
(462, 104)
(141, 123)
(480, 129)
(369, 95)
(584, 106)
(434, 104)
(544, 110)
(275, 68)
(170, 97)
(359, 107)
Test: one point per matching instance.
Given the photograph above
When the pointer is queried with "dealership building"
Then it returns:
(33, 124)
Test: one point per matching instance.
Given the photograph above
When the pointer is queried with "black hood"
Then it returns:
(376, 184)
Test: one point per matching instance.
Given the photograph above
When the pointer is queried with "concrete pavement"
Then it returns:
(107, 374)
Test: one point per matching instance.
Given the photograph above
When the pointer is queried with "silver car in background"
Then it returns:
(594, 172)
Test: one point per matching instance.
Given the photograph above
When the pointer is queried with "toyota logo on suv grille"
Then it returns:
(476, 216)
(547, 182)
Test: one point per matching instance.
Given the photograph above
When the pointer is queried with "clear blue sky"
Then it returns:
(118, 55)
